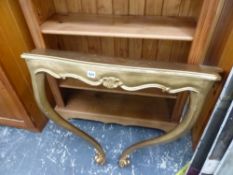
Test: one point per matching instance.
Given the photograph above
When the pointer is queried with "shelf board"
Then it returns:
(76, 84)
(121, 109)
(147, 27)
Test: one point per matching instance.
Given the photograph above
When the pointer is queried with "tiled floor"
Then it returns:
(58, 152)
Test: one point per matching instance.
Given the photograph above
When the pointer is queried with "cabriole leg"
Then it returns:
(38, 81)
(195, 105)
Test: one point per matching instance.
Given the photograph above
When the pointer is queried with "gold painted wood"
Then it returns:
(128, 75)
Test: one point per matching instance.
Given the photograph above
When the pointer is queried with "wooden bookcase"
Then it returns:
(17, 105)
(175, 31)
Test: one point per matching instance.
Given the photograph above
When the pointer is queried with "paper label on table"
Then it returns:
(91, 74)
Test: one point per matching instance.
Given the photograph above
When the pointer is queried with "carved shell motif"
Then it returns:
(111, 82)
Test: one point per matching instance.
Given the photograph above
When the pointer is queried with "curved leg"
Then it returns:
(38, 81)
(196, 102)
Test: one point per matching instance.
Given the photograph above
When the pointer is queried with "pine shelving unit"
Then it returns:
(152, 30)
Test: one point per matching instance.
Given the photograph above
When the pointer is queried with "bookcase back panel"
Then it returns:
(188, 8)
(169, 51)
(162, 50)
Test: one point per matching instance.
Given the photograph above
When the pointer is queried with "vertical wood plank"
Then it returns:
(190, 8)
(121, 47)
(150, 49)
(171, 8)
(61, 6)
(195, 9)
(70, 43)
(106, 7)
(185, 8)
(107, 46)
(180, 51)
(44, 9)
(121, 7)
(89, 6)
(33, 22)
(94, 43)
(74, 6)
(164, 50)
(154, 7)
(135, 48)
(51, 41)
(77, 43)
(82, 44)
(136, 7)
(206, 23)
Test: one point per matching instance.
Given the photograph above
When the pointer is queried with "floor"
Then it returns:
(58, 152)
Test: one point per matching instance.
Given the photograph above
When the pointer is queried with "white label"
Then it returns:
(91, 74)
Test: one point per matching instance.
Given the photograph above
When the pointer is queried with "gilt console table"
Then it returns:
(128, 75)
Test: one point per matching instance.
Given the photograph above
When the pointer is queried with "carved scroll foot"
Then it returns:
(42, 101)
(124, 161)
(100, 158)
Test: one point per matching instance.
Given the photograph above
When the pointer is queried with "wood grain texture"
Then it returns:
(89, 6)
(61, 6)
(80, 105)
(208, 18)
(33, 22)
(121, 7)
(182, 8)
(74, 6)
(190, 8)
(15, 39)
(43, 9)
(94, 43)
(121, 45)
(153, 7)
(163, 28)
(136, 7)
(164, 50)
(180, 51)
(219, 54)
(12, 111)
(171, 8)
(150, 49)
(105, 7)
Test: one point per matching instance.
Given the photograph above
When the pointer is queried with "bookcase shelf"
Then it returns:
(119, 108)
(146, 27)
